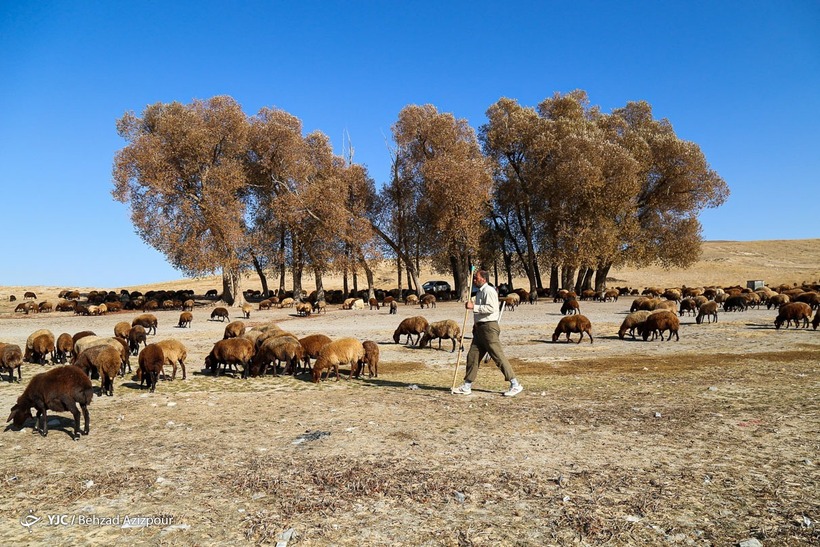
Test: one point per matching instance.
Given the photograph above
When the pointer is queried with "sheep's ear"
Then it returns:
(13, 412)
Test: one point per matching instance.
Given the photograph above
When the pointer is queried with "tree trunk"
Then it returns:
(282, 255)
(567, 275)
(232, 287)
(579, 281)
(320, 288)
(461, 276)
(587, 284)
(508, 268)
(600, 277)
(368, 273)
(398, 271)
(554, 280)
(538, 283)
(298, 267)
(261, 273)
(411, 271)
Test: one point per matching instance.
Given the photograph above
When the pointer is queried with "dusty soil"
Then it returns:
(707, 441)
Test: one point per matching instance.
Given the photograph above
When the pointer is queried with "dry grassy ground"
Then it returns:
(706, 441)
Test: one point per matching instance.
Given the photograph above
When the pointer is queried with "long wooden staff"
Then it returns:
(463, 329)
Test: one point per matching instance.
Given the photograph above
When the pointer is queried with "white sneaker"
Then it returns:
(513, 391)
(462, 390)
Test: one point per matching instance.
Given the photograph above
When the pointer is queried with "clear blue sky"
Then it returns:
(741, 79)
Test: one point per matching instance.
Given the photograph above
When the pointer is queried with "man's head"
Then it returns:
(480, 278)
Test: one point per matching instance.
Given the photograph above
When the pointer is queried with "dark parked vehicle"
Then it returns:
(436, 287)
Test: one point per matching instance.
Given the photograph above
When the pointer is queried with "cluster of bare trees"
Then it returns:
(561, 187)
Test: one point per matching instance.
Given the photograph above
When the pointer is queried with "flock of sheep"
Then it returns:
(253, 352)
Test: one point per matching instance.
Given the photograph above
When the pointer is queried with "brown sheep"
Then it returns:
(122, 329)
(670, 305)
(30, 295)
(135, 336)
(394, 308)
(777, 301)
(246, 310)
(511, 301)
(793, 311)
(151, 360)
(346, 351)
(633, 322)
(304, 309)
(570, 307)
(313, 344)
(185, 319)
(371, 359)
(64, 348)
(374, 303)
(660, 321)
(816, 321)
(188, 305)
(281, 349)
(41, 346)
(320, 306)
(45, 307)
(174, 353)
(60, 389)
(233, 351)
(221, 313)
(811, 298)
(411, 299)
(428, 300)
(709, 310)
(574, 323)
(11, 357)
(443, 330)
(234, 329)
(287, 303)
(265, 304)
(688, 306)
(415, 325)
(148, 321)
(106, 360)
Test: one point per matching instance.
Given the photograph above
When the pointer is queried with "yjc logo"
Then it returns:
(30, 520)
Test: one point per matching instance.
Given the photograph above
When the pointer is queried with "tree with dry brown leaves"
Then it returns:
(183, 175)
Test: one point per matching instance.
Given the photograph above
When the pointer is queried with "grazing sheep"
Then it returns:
(30, 295)
(793, 311)
(688, 305)
(415, 325)
(246, 310)
(304, 309)
(709, 310)
(148, 321)
(281, 349)
(211, 293)
(174, 353)
(185, 319)
(12, 298)
(670, 305)
(45, 307)
(443, 330)
(346, 351)
(151, 359)
(816, 321)
(533, 299)
(106, 360)
(233, 351)
(611, 295)
(136, 335)
(313, 344)
(660, 321)
(82, 334)
(320, 306)
(411, 299)
(265, 304)
(633, 322)
(122, 329)
(777, 301)
(234, 329)
(574, 323)
(188, 305)
(60, 390)
(222, 313)
(735, 303)
(41, 346)
(357, 304)
(638, 303)
(374, 303)
(287, 303)
(428, 300)
(66, 305)
(811, 298)
(394, 308)
(120, 344)
(11, 357)
(64, 348)
(570, 306)
(371, 359)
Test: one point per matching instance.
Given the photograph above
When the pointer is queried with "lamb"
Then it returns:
(151, 359)
(63, 348)
(233, 351)
(11, 357)
(660, 321)
(633, 321)
(287, 303)
(174, 353)
(38, 345)
(246, 310)
(570, 306)
(374, 303)
(346, 351)
(234, 329)
(135, 336)
(371, 359)
(185, 319)
(148, 321)
(447, 329)
(411, 299)
(793, 311)
(312, 345)
(222, 313)
(60, 390)
(415, 325)
(707, 309)
(108, 362)
(428, 300)
(122, 329)
(574, 323)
